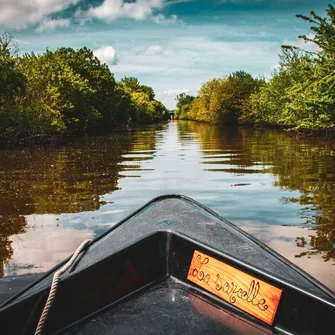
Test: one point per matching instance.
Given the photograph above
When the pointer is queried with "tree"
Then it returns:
(56, 98)
(183, 106)
(145, 108)
(269, 104)
(8, 49)
(103, 98)
(183, 99)
(12, 85)
(324, 31)
(220, 100)
(131, 83)
(67, 91)
(238, 89)
(301, 94)
(148, 91)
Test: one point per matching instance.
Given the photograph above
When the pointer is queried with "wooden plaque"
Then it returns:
(240, 289)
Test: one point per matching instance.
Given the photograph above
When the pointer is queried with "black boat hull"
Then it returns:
(135, 279)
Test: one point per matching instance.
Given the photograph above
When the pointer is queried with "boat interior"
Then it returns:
(176, 267)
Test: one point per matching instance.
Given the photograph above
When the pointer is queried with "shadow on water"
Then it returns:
(63, 179)
(306, 165)
(278, 188)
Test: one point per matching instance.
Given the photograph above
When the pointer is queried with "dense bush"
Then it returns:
(220, 100)
(67, 90)
(299, 95)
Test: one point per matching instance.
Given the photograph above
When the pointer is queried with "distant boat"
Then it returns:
(171, 113)
(175, 267)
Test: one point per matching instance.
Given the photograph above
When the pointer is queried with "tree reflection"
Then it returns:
(306, 165)
(9, 225)
(64, 179)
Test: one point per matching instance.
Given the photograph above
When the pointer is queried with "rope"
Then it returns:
(54, 286)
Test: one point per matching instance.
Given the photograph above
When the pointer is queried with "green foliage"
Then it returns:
(99, 103)
(12, 84)
(208, 106)
(54, 94)
(306, 165)
(302, 93)
(323, 30)
(8, 49)
(132, 84)
(238, 89)
(220, 100)
(183, 106)
(67, 90)
(145, 109)
(268, 105)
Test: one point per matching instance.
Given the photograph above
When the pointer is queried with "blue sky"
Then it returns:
(172, 45)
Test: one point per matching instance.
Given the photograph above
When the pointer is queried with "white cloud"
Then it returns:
(20, 14)
(152, 50)
(189, 56)
(300, 43)
(240, 1)
(168, 97)
(137, 68)
(48, 244)
(106, 54)
(48, 24)
(139, 10)
(162, 19)
(175, 2)
(275, 66)
(174, 92)
(182, 64)
(114, 9)
(283, 240)
(81, 17)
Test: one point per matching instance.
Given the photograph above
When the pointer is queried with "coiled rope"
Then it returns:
(54, 286)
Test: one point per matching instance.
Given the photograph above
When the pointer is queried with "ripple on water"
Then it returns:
(266, 181)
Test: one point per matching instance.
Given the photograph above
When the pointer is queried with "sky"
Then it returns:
(171, 45)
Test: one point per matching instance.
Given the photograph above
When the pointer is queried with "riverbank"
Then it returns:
(299, 95)
(298, 133)
(67, 91)
(49, 141)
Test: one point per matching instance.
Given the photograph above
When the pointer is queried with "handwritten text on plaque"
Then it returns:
(242, 290)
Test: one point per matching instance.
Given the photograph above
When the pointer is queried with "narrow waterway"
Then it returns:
(277, 187)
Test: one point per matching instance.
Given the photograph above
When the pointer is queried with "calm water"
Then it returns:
(278, 188)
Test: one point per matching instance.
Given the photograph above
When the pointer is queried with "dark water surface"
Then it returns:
(277, 187)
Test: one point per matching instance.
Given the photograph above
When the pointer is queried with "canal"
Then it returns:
(275, 186)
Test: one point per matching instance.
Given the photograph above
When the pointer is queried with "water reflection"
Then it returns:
(43, 245)
(305, 165)
(64, 179)
(9, 225)
(287, 241)
(266, 181)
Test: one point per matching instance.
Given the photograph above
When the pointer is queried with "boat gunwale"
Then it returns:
(250, 269)
(157, 199)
